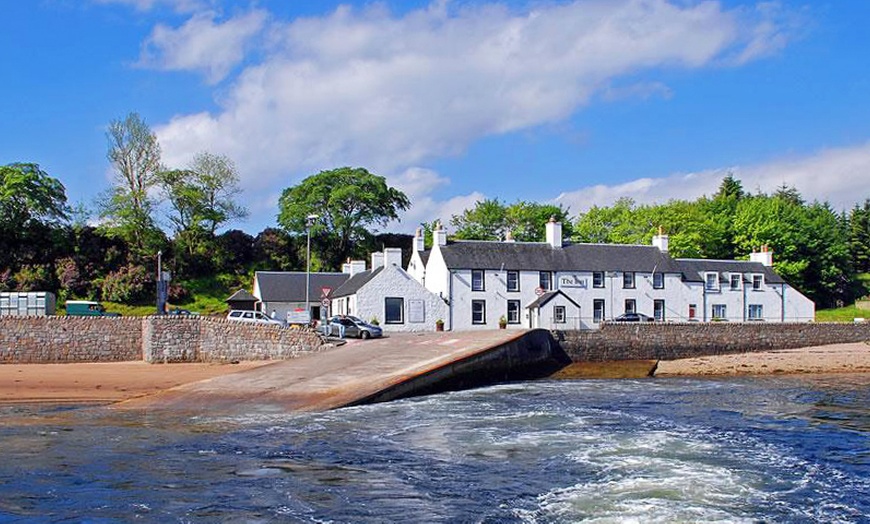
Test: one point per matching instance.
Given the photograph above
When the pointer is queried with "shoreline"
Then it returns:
(104, 383)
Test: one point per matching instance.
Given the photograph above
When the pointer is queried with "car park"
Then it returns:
(253, 317)
(353, 327)
(633, 317)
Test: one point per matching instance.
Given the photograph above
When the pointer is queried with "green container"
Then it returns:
(87, 308)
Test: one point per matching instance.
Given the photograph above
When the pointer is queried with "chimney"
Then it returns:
(509, 237)
(660, 241)
(352, 267)
(377, 260)
(554, 233)
(393, 256)
(419, 244)
(439, 235)
(765, 256)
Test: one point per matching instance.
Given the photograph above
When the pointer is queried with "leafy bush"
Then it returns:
(36, 277)
(129, 284)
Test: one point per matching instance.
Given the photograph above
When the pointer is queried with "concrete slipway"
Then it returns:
(361, 372)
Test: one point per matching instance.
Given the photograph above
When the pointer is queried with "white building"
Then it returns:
(388, 293)
(281, 294)
(556, 285)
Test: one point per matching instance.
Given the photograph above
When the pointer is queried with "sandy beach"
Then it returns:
(102, 382)
(835, 358)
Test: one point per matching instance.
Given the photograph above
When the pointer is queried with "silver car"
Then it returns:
(253, 317)
(353, 327)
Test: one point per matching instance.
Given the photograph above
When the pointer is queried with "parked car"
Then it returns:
(182, 312)
(633, 317)
(253, 317)
(87, 308)
(353, 327)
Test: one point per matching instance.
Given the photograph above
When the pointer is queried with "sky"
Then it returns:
(577, 103)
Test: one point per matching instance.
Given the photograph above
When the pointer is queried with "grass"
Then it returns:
(841, 314)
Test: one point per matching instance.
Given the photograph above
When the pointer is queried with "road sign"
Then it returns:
(324, 302)
(539, 291)
(325, 291)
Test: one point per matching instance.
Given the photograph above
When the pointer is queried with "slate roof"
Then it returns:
(543, 299)
(424, 256)
(694, 269)
(354, 283)
(539, 256)
(241, 295)
(289, 286)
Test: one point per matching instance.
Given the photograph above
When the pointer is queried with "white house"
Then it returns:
(576, 286)
(283, 292)
(388, 293)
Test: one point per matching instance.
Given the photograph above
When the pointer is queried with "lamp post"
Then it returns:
(159, 283)
(309, 221)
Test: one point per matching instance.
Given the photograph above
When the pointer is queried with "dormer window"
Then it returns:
(757, 282)
(735, 279)
(711, 281)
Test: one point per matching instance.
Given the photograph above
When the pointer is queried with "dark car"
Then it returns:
(353, 327)
(633, 317)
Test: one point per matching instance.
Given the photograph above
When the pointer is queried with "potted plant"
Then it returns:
(374, 321)
(439, 325)
(502, 322)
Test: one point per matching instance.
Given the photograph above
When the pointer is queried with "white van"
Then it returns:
(253, 317)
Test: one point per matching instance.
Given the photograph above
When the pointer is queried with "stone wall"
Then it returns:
(41, 340)
(31, 340)
(656, 341)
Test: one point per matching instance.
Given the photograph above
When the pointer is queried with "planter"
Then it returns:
(439, 326)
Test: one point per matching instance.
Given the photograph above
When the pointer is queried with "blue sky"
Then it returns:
(574, 102)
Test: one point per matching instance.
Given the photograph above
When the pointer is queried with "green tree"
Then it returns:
(487, 220)
(347, 201)
(492, 219)
(128, 208)
(859, 236)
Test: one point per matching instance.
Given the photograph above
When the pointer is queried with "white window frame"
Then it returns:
(598, 279)
(482, 319)
(559, 315)
(630, 305)
(755, 312)
(658, 280)
(482, 280)
(518, 306)
(401, 319)
(549, 275)
(711, 285)
(598, 312)
(516, 286)
(659, 310)
(731, 278)
(628, 280)
(723, 309)
(757, 282)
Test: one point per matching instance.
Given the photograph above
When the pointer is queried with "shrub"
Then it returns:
(129, 284)
(35, 278)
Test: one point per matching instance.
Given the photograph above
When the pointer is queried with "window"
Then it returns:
(513, 312)
(756, 312)
(513, 280)
(658, 280)
(478, 312)
(477, 280)
(757, 282)
(394, 309)
(693, 311)
(719, 312)
(659, 310)
(628, 280)
(546, 280)
(559, 314)
(735, 281)
(711, 281)
(630, 305)
(597, 310)
(598, 279)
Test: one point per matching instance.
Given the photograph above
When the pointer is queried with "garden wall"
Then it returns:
(663, 341)
(32, 340)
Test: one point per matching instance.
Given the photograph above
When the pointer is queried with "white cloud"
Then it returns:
(836, 175)
(419, 184)
(369, 88)
(201, 44)
(179, 6)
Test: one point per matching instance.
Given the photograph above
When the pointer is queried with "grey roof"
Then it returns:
(354, 283)
(543, 299)
(533, 256)
(424, 256)
(241, 295)
(289, 286)
(694, 269)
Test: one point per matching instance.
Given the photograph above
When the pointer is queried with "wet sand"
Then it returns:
(835, 358)
(102, 382)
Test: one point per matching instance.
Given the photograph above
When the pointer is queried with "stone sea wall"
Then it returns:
(656, 341)
(32, 340)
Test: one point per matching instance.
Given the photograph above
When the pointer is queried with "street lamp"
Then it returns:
(309, 221)
(160, 299)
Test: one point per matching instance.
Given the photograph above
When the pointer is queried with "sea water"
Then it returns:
(773, 449)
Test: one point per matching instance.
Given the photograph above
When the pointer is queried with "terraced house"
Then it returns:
(559, 285)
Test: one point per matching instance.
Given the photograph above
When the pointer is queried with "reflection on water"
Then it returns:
(790, 449)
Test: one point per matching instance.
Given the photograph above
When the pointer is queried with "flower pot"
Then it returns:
(439, 327)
